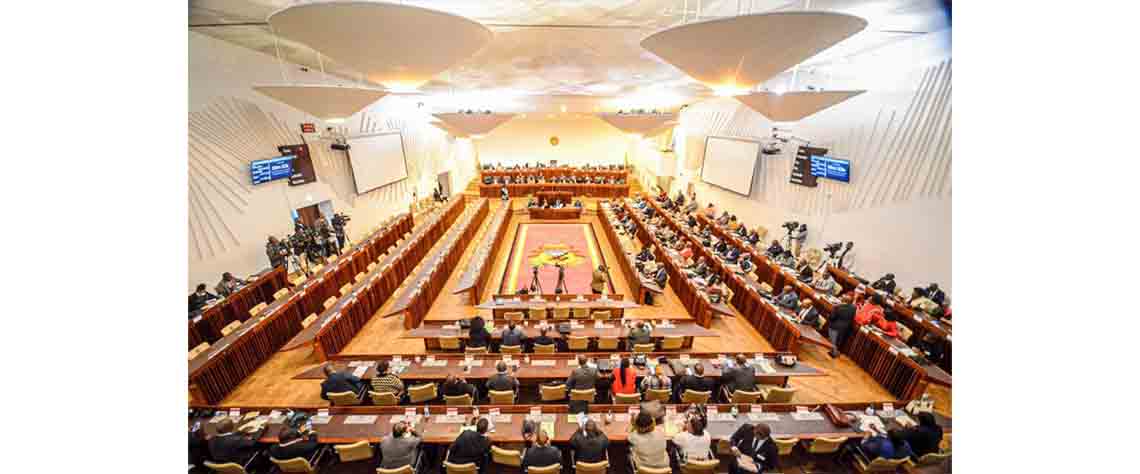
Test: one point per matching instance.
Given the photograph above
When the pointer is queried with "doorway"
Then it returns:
(309, 215)
(444, 182)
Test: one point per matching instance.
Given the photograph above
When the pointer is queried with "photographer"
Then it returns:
(326, 238)
(276, 251)
(846, 259)
(339, 220)
(799, 236)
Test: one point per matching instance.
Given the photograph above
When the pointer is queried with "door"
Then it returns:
(309, 214)
(444, 180)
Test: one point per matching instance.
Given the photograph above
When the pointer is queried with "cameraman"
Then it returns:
(326, 237)
(338, 222)
(799, 236)
(276, 252)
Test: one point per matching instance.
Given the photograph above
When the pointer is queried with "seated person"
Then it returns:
(808, 314)
(691, 220)
(924, 438)
(589, 443)
(889, 324)
(753, 237)
(512, 335)
(935, 294)
(739, 376)
(775, 249)
(742, 231)
(870, 312)
(542, 454)
(733, 255)
(733, 224)
(786, 259)
(640, 334)
(228, 285)
(920, 301)
(291, 445)
(687, 251)
(680, 199)
(339, 382)
(710, 211)
(531, 203)
(624, 378)
(891, 446)
(754, 442)
(645, 254)
(723, 219)
(477, 335)
(228, 445)
(788, 298)
(657, 380)
(806, 273)
(578, 203)
(746, 265)
(455, 386)
(471, 446)
(693, 443)
(885, 284)
(823, 282)
(384, 381)
(695, 380)
(692, 206)
(200, 297)
(502, 381)
(542, 338)
(720, 247)
(647, 443)
(661, 277)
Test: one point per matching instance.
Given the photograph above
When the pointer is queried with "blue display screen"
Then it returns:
(274, 168)
(831, 168)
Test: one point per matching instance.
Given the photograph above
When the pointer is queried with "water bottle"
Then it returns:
(735, 411)
(427, 412)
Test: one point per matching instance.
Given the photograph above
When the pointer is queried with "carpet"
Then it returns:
(572, 245)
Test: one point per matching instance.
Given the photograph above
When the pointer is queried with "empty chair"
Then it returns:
(930, 459)
(449, 343)
(600, 467)
(552, 393)
(824, 446)
(586, 395)
(316, 269)
(514, 316)
(458, 400)
(371, 266)
(904, 333)
(298, 280)
(693, 396)
(309, 320)
(578, 343)
(422, 393)
(608, 343)
(231, 327)
(643, 348)
(660, 394)
(878, 464)
(329, 302)
(626, 398)
(551, 469)
(784, 446)
(293, 465)
(581, 313)
(281, 293)
(475, 350)
(469, 468)
(600, 315)
(257, 309)
(672, 343)
(407, 469)
(654, 470)
(706, 466)
(774, 394)
(357, 451)
(358, 277)
(383, 398)
(501, 397)
(741, 396)
(345, 289)
(506, 457)
(198, 350)
(226, 468)
(536, 313)
(544, 349)
(561, 313)
(510, 349)
(344, 398)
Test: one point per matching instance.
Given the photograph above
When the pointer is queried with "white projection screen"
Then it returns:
(377, 160)
(730, 163)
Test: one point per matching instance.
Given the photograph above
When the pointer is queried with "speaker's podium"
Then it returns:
(568, 212)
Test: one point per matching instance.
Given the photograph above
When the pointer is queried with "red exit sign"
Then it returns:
(308, 128)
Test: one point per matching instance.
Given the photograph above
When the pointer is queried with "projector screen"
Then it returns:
(730, 163)
(377, 160)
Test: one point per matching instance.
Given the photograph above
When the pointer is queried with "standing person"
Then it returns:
(753, 442)
(598, 283)
(798, 239)
(512, 335)
(589, 443)
(740, 377)
(582, 378)
(846, 259)
(501, 381)
(401, 447)
(647, 443)
(477, 335)
(276, 251)
(839, 326)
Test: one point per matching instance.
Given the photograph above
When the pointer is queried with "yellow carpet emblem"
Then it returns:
(552, 254)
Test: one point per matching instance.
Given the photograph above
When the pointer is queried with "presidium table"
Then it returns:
(432, 331)
(568, 212)
(502, 304)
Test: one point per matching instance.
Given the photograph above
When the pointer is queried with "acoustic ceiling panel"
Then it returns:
(324, 101)
(475, 123)
(455, 132)
(793, 106)
(642, 124)
(742, 52)
(399, 46)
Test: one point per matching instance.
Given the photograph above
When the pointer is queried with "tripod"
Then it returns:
(296, 261)
(534, 283)
(560, 287)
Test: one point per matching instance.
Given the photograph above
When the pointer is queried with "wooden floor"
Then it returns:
(272, 383)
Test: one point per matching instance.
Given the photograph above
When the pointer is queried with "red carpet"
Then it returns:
(573, 245)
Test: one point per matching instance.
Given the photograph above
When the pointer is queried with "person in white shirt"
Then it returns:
(694, 442)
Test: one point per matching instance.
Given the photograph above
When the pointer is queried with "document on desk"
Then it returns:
(808, 416)
(321, 419)
(360, 419)
(767, 416)
(359, 371)
(543, 363)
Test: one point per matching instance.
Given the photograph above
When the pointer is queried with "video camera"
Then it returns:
(790, 226)
(340, 219)
(833, 248)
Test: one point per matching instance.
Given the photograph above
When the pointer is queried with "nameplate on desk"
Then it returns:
(360, 419)
(452, 419)
(321, 419)
(807, 416)
(759, 416)
(472, 363)
(546, 363)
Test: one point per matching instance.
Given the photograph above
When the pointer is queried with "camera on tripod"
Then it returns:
(790, 226)
(832, 249)
(340, 219)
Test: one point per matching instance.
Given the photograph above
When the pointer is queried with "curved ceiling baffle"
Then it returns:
(793, 106)
(326, 102)
(474, 124)
(641, 124)
(383, 41)
(455, 132)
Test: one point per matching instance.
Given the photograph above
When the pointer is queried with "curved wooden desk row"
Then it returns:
(415, 299)
(775, 324)
(694, 300)
(228, 361)
(207, 327)
(431, 332)
(592, 190)
(374, 423)
(564, 213)
(478, 271)
(339, 323)
(500, 305)
(637, 282)
(555, 172)
(881, 356)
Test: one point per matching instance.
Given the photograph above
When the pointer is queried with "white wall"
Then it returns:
(582, 140)
(897, 208)
(231, 125)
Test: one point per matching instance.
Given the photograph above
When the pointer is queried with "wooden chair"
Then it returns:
(672, 343)
(654, 470)
(600, 315)
(298, 280)
(581, 313)
(257, 309)
(626, 398)
(644, 348)
(371, 266)
(231, 327)
(510, 349)
(741, 396)
(578, 343)
(694, 466)
(608, 343)
(774, 394)
(561, 313)
(344, 398)
(584, 395)
(309, 320)
(226, 468)
(784, 446)
(904, 333)
(693, 396)
(823, 446)
(384, 399)
(545, 348)
(475, 350)
(345, 289)
(501, 397)
(600, 467)
(514, 316)
(469, 468)
(878, 465)
(458, 400)
(330, 258)
(329, 302)
(357, 451)
(422, 393)
(931, 459)
(281, 293)
(659, 394)
(552, 393)
(551, 469)
(449, 343)
(536, 313)
(358, 277)
(407, 469)
(198, 350)
(293, 465)
(506, 457)
(317, 269)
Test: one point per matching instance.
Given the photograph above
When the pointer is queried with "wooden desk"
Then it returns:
(637, 282)
(415, 300)
(554, 172)
(591, 190)
(502, 304)
(432, 331)
(442, 430)
(474, 277)
(550, 196)
(215, 372)
(207, 325)
(339, 323)
(568, 212)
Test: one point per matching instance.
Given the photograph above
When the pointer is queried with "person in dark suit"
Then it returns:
(935, 294)
(291, 445)
(839, 326)
(740, 377)
(512, 335)
(661, 277)
(696, 381)
(336, 382)
(477, 335)
(471, 446)
(200, 297)
(808, 314)
(754, 441)
(924, 438)
(542, 454)
(542, 338)
(456, 386)
(885, 284)
(582, 378)
(230, 446)
(788, 298)
(589, 443)
(640, 334)
(501, 381)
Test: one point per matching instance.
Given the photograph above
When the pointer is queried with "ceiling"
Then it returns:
(577, 47)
